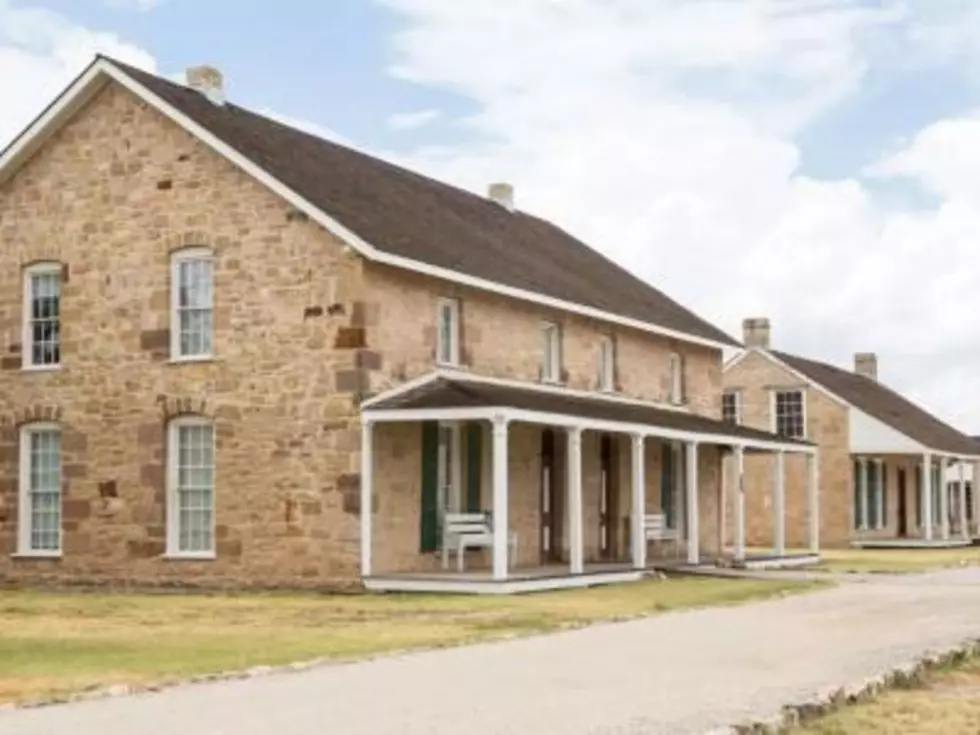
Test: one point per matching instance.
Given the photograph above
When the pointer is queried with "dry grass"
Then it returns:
(948, 704)
(55, 643)
(896, 560)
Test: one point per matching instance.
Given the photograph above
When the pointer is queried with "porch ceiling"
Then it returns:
(460, 398)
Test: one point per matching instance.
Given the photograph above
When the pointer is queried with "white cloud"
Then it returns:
(665, 133)
(140, 5)
(413, 120)
(40, 53)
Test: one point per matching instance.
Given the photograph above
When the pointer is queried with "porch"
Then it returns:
(557, 489)
(913, 501)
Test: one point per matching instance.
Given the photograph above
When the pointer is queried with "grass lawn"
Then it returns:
(948, 704)
(52, 643)
(896, 560)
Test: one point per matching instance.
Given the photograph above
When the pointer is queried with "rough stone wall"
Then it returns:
(502, 337)
(755, 377)
(114, 193)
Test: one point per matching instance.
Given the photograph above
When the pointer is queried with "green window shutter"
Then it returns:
(429, 530)
(918, 495)
(680, 470)
(936, 501)
(857, 495)
(667, 485)
(872, 496)
(884, 494)
(474, 474)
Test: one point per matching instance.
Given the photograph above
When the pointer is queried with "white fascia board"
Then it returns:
(70, 99)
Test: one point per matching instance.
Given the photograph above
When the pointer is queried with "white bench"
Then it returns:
(463, 531)
(655, 529)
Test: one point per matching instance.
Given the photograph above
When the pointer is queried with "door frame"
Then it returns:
(902, 510)
(549, 501)
(608, 535)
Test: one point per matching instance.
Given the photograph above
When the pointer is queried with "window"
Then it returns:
(607, 364)
(676, 367)
(551, 362)
(788, 414)
(731, 408)
(447, 352)
(191, 297)
(40, 491)
(42, 315)
(190, 488)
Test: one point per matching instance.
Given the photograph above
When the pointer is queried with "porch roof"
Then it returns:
(458, 398)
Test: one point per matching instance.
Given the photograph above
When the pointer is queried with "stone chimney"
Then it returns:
(208, 81)
(866, 364)
(502, 194)
(755, 332)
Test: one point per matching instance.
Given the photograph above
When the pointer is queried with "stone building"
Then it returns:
(882, 458)
(201, 305)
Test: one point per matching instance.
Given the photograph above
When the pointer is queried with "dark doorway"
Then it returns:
(608, 498)
(903, 513)
(550, 501)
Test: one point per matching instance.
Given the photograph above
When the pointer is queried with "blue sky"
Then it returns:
(813, 161)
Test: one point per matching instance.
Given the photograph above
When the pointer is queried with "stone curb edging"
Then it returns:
(905, 676)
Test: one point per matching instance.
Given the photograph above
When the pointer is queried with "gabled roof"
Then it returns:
(392, 215)
(443, 392)
(881, 402)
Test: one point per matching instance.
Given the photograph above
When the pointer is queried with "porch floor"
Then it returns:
(525, 579)
(911, 543)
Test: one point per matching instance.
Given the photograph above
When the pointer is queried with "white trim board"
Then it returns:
(447, 584)
(92, 79)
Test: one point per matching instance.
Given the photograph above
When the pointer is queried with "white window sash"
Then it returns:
(27, 471)
(551, 369)
(175, 507)
(203, 311)
(448, 332)
(607, 365)
(31, 274)
(788, 417)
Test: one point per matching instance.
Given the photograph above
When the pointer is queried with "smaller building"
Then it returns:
(892, 474)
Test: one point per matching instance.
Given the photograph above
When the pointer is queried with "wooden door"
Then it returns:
(903, 511)
(550, 535)
(608, 498)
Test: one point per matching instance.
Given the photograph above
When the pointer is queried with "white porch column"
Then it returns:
(943, 500)
(862, 509)
(639, 503)
(813, 502)
(367, 493)
(976, 496)
(739, 504)
(880, 491)
(693, 532)
(927, 496)
(779, 505)
(964, 526)
(576, 541)
(501, 531)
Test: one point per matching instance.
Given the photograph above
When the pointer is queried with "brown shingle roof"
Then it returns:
(458, 393)
(409, 215)
(884, 404)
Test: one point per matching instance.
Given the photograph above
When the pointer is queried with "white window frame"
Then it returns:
(551, 353)
(450, 307)
(607, 365)
(24, 525)
(173, 506)
(773, 423)
(27, 340)
(676, 375)
(176, 259)
(737, 399)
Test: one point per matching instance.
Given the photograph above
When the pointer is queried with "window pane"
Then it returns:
(44, 320)
(44, 490)
(195, 487)
(194, 306)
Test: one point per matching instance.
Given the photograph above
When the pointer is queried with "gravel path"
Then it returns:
(685, 672)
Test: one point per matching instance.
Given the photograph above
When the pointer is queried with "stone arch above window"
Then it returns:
(173, 407)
